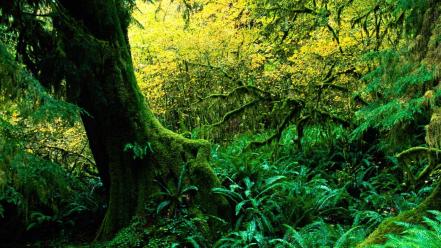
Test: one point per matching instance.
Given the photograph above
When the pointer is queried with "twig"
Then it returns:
(69, 152)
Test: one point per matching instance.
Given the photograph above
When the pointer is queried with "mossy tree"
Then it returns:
(419, 100)
(81, 48)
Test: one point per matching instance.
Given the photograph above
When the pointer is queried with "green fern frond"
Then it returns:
(415, 236)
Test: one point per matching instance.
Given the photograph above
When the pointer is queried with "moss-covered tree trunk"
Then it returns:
(102, 82)
(414, 216)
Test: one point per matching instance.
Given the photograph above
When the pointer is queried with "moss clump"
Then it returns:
(183, 230)
(414, 216)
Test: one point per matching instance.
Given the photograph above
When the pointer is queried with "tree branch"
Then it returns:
(217, 68)
(255, 90)
(413, 180)
(416, 150)
(278, 133)
(235, 112)
(334, 118)
(69, 152)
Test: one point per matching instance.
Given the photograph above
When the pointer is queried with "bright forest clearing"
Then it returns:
(201, 123)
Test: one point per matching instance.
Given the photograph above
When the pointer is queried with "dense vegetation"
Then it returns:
(198, 123)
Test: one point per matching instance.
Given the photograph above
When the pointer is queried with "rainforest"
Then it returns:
(220, 123)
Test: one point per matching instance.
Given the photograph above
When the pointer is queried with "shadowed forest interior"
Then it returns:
(220, 123)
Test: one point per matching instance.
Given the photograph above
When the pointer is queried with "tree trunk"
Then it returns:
(102, 82)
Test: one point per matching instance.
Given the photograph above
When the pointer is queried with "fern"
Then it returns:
(254, 202)
(251, 237)
(417, 235)
(319, 234)
(174, 198)
(397, 87)
(139, 151)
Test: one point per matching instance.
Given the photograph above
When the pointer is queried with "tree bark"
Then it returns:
(102, 82)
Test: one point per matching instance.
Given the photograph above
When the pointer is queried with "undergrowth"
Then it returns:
(427, 235)
(281, 198)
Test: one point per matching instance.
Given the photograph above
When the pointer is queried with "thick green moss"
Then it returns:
(103, 83)
(389, 226)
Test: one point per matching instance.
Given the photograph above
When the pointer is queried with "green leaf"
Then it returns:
(162, 205)
(240, 205)
(344, 238)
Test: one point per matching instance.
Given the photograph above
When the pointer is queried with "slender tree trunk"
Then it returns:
(102, 82)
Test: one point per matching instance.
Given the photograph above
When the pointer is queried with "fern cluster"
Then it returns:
(286, 199)
(398, 88)
(415, 236)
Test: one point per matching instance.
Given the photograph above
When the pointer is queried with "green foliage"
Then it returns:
(43, 193)
(428, 235)
(399, 101)
(139, 151)
(401, 83)
(414, 11)
(127, 237)
(179, 231)
(37, 194)
(255, 202)
(329, 236)
(333, 199)
(250, 237)
(174, 199)
(284, 69)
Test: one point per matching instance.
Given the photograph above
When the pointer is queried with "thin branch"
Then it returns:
(278, 133)
(69, 152)
(334, 118)
(425, 171)
(327, 82)
(334, 86)
(292, 11)
(416, 150)
(38, 15)
(248, 88)
(335, 35)
(216, 68)
(235, 112)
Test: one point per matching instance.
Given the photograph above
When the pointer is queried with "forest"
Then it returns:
(220, 123)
